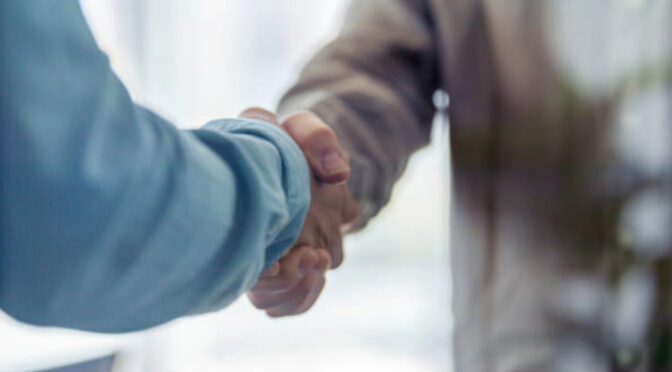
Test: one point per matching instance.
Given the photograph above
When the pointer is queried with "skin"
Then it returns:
(293, 284)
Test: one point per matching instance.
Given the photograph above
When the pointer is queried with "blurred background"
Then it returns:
(387, 308)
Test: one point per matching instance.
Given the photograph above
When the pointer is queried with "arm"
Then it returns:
(110, 218)
(373, 85)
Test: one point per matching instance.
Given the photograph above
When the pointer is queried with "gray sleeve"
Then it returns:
(373, 85)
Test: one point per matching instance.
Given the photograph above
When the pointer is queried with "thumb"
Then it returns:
(320, 146)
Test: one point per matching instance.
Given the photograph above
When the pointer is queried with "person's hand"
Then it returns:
(292, 285)
(332, 207)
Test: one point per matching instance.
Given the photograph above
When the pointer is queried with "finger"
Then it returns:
(323, 260)
(267, 299)
(310, 291)
(293, 269)
(260, 114)
(349, 208)
(320, 145)
(312, 297)
(295, 295)
(271, 271)
(287, 279)
(264, 301)
(336, 249)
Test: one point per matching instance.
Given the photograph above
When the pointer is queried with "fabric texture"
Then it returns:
(113, 220)
(535, 199)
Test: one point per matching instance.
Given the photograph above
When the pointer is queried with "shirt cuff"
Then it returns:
(295, 178)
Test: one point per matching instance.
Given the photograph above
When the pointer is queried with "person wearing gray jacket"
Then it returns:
(552, 185)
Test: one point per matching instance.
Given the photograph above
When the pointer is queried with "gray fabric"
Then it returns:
(538, 180)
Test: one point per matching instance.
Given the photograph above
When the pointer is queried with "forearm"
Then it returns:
(112, 219)
(373, 85)
(188, 233)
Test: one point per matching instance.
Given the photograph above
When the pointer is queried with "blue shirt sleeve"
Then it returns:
(111, 219)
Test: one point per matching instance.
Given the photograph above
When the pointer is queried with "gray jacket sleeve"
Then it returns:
(373, 85)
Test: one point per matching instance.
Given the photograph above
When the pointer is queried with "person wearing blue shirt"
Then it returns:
(113, 220)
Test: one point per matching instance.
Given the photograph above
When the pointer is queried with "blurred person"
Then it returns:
(539, 184)
(112, 220)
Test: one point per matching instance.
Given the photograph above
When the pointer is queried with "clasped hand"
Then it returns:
(292, 285)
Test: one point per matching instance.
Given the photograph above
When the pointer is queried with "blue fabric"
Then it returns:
(113, 220)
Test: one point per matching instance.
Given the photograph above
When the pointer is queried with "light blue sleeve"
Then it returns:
(111, 219)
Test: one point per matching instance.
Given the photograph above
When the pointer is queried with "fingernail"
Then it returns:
(333, 163)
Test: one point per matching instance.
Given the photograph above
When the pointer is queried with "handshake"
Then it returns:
(292, 285)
